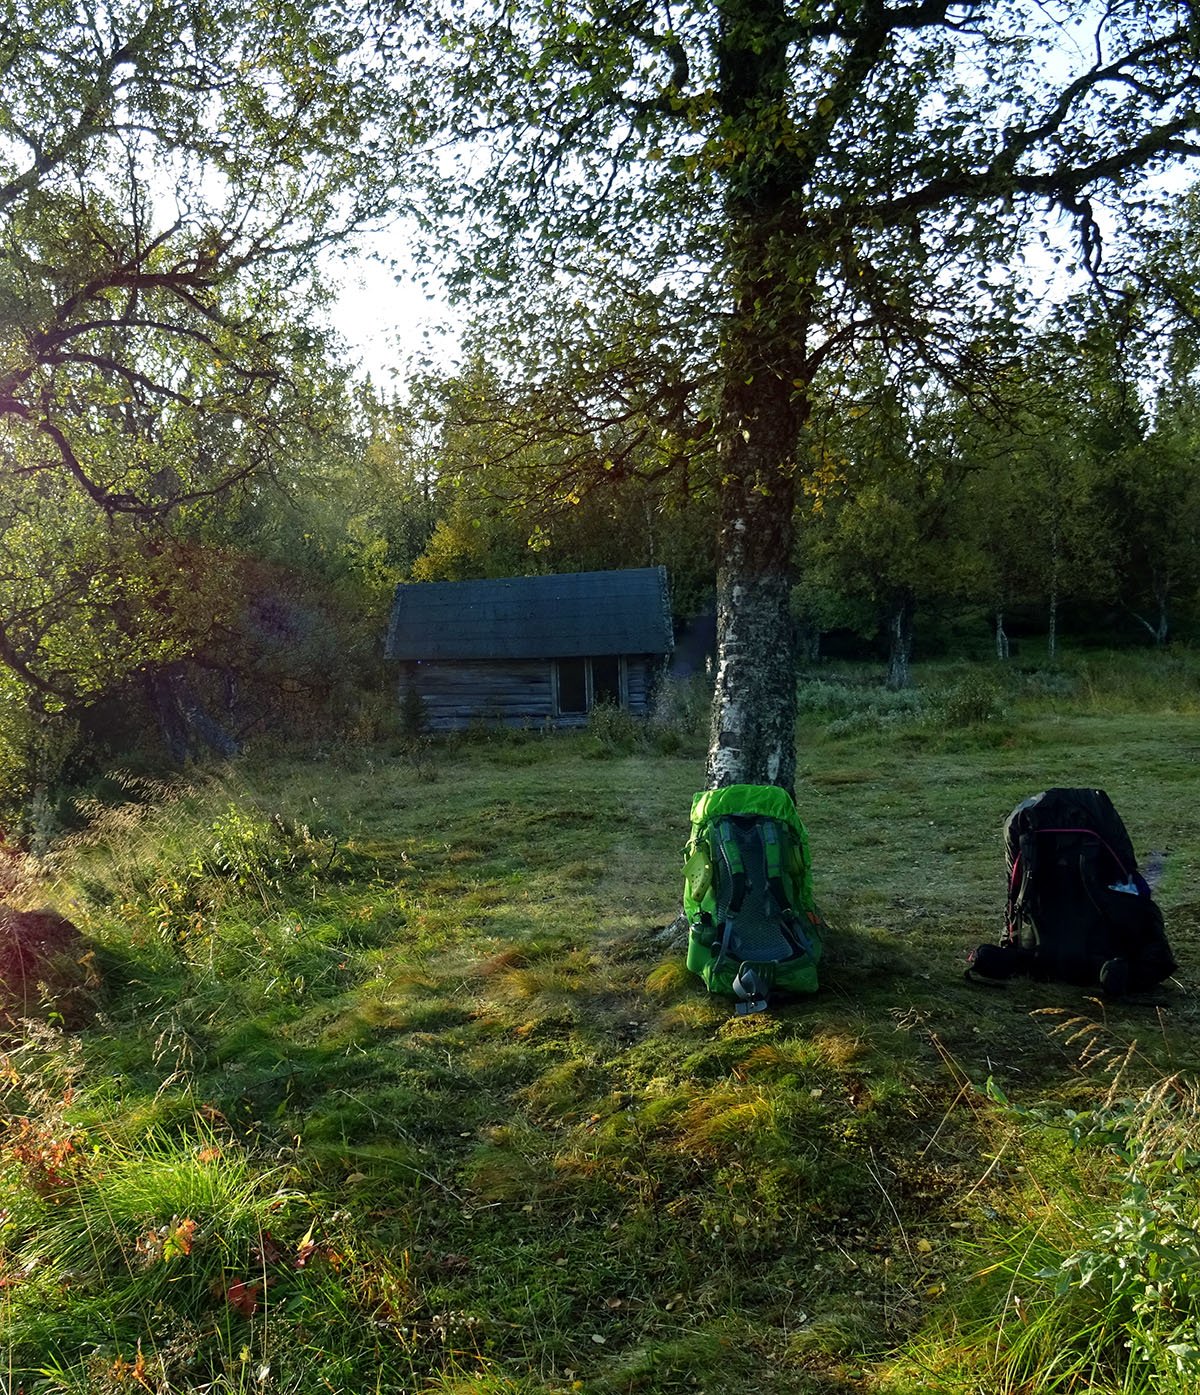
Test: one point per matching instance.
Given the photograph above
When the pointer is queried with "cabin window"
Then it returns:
(579, 684)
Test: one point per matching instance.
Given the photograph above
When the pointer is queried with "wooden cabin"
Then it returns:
(531, 650)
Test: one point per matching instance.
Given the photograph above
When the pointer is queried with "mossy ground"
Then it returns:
(398, 1083)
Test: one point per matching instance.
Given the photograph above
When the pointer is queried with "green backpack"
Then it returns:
(747, 893)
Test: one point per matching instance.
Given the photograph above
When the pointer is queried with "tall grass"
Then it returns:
(1091, 1282)
(155, 1259)
(851, 699)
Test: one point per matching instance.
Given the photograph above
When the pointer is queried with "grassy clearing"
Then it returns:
(397, 1083)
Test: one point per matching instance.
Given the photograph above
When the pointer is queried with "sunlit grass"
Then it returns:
(439, 1030)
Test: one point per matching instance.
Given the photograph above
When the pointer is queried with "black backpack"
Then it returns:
(1077, 908)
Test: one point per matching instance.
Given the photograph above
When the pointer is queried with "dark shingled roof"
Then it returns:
(533, 617)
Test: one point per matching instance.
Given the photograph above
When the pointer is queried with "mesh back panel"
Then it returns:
(757, 933)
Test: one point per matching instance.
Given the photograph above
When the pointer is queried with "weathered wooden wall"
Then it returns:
(511, 692)
(456, 695)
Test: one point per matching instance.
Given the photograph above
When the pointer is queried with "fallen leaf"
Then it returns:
(242, 1295)
(268, 1251)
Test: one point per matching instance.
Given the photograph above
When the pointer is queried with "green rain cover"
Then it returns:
(748, 893)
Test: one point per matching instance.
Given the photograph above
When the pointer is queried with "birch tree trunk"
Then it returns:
(752, 738)
(1052, 624)
(900, 635)
(1162, 595)
(1160, 628)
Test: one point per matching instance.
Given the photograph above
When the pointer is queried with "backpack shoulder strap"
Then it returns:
(728, 853)
(774, 852)
(1020, 884)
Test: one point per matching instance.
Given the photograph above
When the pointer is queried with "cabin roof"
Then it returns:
(565, 615)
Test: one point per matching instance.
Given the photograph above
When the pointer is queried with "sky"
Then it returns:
(387, 319)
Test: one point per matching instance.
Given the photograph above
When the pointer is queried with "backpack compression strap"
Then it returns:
(731, 855)
(1018, 887)
(774, 849)
(773, 853)
(751, 990)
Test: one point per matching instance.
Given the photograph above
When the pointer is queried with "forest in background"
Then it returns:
(986, 447)
(927, 525)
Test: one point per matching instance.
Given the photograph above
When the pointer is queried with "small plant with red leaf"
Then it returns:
(168, 1242)
(274, 1261)
(50, 1159)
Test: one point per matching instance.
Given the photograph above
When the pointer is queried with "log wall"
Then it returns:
(509, 692)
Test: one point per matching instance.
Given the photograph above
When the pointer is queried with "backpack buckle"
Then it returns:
(754, 1005)
(751, 989)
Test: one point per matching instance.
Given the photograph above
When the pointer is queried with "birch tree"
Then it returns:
(699, 208)
(885, 508)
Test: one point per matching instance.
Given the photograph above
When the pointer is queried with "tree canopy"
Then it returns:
(695, 237)
(169, 176)
(703, 211)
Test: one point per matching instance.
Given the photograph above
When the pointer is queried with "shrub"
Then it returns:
(414, 722)
(615, 731)
(677, 723)
(680, 715)
(886, 711)
(856, 707)
(973, 700)
(45, 967)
